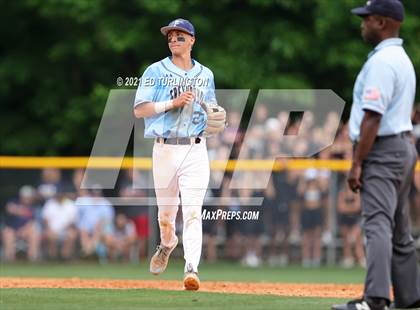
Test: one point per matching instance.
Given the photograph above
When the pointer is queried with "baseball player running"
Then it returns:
(384, 159)
(176, 98)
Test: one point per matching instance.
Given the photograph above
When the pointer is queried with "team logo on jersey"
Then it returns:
(178, 90)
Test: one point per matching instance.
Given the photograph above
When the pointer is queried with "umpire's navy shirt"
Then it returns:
(386, 85)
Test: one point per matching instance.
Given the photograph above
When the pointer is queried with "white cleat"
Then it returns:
(191, 280)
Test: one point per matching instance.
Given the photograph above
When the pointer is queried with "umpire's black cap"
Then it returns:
(387, 8)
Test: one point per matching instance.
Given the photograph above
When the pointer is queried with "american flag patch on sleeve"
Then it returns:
(371, 94)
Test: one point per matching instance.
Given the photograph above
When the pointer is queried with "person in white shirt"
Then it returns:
(59, 215)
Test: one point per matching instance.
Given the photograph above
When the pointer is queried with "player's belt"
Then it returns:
(178, 141)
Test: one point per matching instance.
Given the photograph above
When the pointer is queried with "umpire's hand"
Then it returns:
(353, 179)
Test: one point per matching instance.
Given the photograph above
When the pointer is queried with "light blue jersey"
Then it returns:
(386, 85)
(164, 81)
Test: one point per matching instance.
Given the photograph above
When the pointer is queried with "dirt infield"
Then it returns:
(258, 288)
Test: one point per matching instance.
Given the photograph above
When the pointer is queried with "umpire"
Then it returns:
(384, 159)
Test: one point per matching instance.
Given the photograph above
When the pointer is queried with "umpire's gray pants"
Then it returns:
(391, 255)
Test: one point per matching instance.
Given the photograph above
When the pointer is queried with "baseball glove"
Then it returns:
(216, 119)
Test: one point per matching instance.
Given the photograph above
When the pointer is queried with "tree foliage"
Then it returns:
(60, 58)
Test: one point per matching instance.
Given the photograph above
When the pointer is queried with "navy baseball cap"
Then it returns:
(387, 8)
(179, 24)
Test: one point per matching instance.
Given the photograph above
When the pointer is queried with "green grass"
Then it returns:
(97, 299)
(157, 299)
(208, 272)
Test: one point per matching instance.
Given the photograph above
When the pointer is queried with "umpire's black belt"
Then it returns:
(404, 134)
(178, 141)
(398, 135)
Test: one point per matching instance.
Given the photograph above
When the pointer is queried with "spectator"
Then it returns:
(219, 152)
(342, 147)
(283, 118)
(272, 128)
(254, 143)
(135, 185)
(77, 179)
(324, 178)
(20, 225)
(122, 242)
(260, 114)
(312, 218)
(284, 195)
(349, 218)
(307, 124)
(415, 188)
(96, 217)
(293, 177)
(50, 179)
(234, 237)
(210, 229)
(332, 122)
(60, 215)
(252, 230)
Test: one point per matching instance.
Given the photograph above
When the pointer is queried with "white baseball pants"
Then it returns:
(181, 169)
